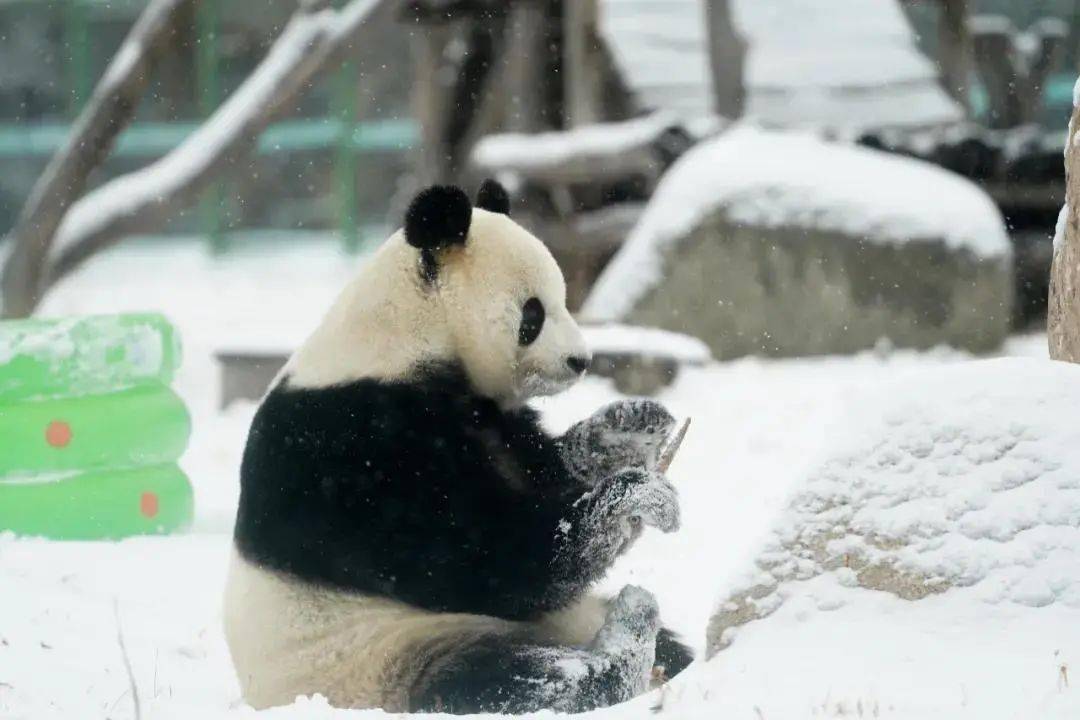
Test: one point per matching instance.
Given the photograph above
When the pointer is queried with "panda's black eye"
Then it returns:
(532, 321)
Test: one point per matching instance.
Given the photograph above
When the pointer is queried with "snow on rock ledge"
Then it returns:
(793, 179)
(755, 240)
(948, 515)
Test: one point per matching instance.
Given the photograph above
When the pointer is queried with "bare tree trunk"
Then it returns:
(142, 200)
(107, 113)
(524, 48)
(1063, 312)
(1013, 75)
(955, 50)
(432, 97)
(581, 70)
(483, 47)
(727, 53)
(1052, 35)
(459, 91)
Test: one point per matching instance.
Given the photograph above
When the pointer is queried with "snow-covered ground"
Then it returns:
(760, 427)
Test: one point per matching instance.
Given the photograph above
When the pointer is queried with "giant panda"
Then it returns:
(408, 537)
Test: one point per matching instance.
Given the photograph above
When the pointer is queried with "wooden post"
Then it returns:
(579, 67)
(432, 95)
(994, 58)
(524, 71)
(955, 53)
(1013, 81)
(1053, 34)
(1063, 312)
(727, 55)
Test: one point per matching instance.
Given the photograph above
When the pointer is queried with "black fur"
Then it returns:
(493, 198)
(424, 492)
(428, 493)
(438, 217)
(429, 266)
(499, 675)
(671, 654)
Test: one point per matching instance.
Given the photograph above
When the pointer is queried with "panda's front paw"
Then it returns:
(632, 615)
(646, 421)
(628, 433)
(647, 498)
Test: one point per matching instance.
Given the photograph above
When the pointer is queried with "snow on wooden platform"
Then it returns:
(849, 64)
(645, 342)
(550, 153)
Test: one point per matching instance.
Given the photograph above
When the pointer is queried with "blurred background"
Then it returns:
(794, 221)
(979, 87)
(785, 178)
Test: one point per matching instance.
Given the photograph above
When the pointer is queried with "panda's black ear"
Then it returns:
(438, 217)
(493, 198)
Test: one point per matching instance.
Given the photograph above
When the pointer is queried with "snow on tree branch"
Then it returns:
(107, 113)
(146, 198)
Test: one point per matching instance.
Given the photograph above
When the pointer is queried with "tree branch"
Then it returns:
(142, 200)
(109, 110)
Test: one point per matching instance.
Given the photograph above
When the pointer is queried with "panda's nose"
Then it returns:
(578, 363)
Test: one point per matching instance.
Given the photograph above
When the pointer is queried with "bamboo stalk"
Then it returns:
(667, 455)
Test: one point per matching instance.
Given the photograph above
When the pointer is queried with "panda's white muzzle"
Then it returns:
(557, 360)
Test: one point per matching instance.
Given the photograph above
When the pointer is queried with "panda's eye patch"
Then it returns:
(532, 321)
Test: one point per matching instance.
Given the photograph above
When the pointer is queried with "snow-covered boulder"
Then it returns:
(933, 558)
(782, 244)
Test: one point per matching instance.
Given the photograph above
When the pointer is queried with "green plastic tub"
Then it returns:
(89, 430)
(141, 426)
(85, 355)
(98, 505)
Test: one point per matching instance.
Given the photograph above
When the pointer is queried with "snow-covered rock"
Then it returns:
(782, 244)
(952, 506)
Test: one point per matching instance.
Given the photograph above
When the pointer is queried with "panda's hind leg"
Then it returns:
(504, 674)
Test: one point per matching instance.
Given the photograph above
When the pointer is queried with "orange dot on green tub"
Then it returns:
(148, 504)
(58, 434)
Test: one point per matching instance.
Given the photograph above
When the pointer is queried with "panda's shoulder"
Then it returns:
(364, 405)
(431, 401)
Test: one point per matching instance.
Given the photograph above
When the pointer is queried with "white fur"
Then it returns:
(289, 638)
(387, 319)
